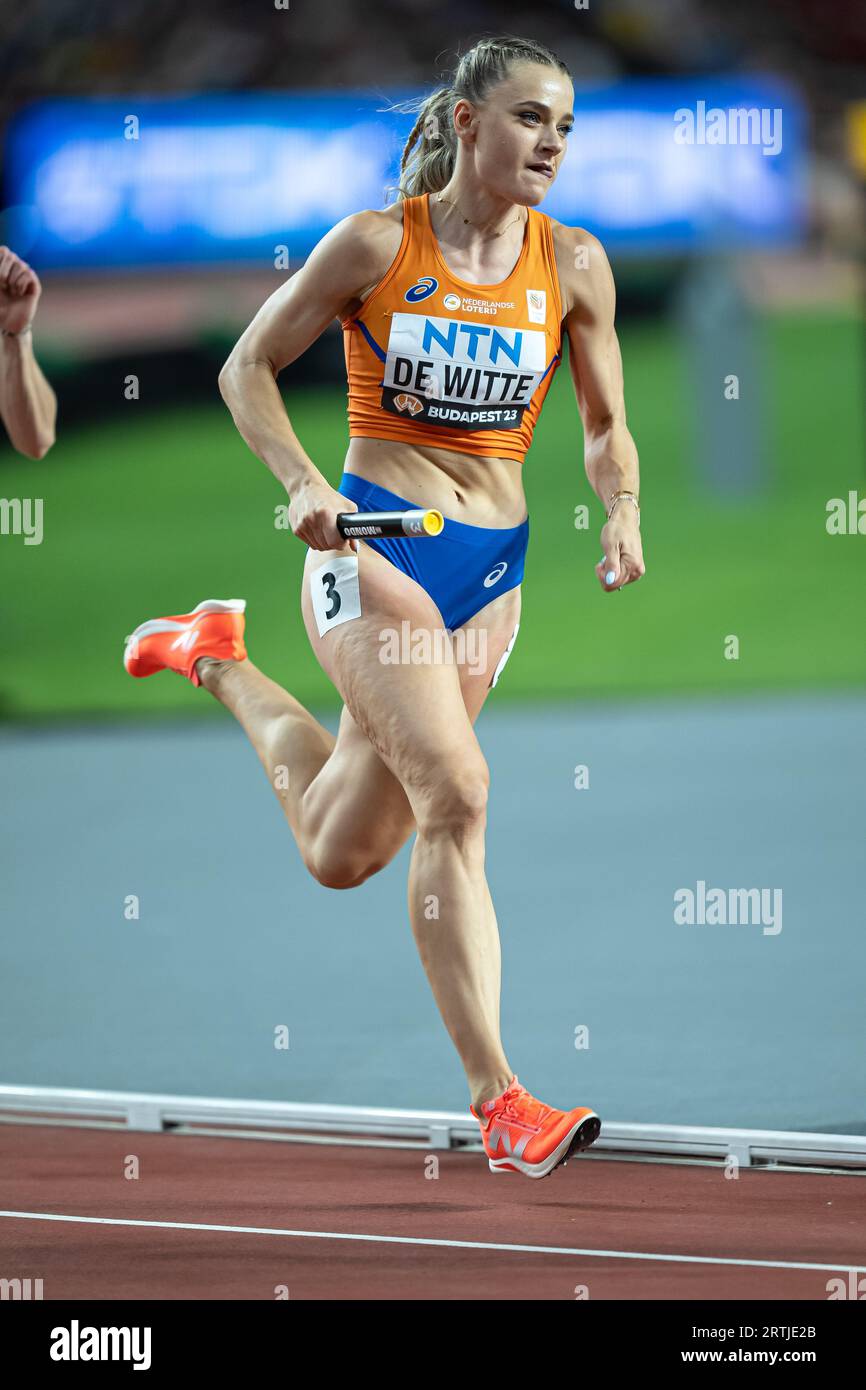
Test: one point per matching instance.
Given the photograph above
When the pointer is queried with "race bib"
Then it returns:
(470, 376)
(336, 593)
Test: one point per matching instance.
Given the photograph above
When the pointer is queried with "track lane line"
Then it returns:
(422, 1240)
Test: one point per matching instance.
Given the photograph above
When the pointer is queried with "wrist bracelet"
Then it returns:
(616, 496)
(7, 333)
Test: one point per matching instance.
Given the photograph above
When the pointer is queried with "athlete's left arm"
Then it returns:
(610, 455)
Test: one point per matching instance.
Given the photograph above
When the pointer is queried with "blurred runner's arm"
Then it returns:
(28, 406)
(610, 455)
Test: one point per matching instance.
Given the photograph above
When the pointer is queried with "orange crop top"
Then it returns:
(435, 360)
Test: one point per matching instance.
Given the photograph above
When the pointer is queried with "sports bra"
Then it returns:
(434, 360)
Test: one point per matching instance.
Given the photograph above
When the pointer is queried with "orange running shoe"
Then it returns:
(213, 628)
(523, 1136)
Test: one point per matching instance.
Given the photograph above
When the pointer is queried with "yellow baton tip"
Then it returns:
(434, 522)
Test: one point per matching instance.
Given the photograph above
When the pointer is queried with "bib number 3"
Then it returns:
(336, 593)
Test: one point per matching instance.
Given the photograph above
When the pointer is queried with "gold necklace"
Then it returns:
(479, 225)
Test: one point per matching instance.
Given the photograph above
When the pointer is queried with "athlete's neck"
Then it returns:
(471, 215)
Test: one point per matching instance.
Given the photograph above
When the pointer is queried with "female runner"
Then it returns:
(452, 303)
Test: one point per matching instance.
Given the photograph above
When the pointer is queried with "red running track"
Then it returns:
(301, 1199)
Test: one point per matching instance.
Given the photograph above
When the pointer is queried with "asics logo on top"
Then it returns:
(496, 574)
(422, 289)
(410, 403)
(501, 1138)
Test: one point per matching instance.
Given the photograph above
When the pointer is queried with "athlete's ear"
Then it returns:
(464, 116)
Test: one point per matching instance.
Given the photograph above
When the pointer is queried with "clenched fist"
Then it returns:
(19, 292)
(313, 516)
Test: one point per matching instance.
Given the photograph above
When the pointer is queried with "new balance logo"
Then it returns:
(500, 1139)
(186, 640)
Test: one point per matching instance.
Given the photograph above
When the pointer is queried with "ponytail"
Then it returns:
(431, 150)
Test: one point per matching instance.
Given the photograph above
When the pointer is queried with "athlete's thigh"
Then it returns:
(357, 795)
(411, 711)
(356, 799)
(483, 644)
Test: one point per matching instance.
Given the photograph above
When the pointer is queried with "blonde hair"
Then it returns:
(431, 150)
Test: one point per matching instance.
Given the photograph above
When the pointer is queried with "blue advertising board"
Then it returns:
(652, 167)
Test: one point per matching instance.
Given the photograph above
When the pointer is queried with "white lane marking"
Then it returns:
(422, 1240)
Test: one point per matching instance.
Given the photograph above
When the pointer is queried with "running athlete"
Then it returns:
(452, 303)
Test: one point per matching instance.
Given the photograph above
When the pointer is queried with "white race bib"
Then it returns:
(336, 592)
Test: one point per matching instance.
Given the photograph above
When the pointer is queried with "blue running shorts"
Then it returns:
(462, 569)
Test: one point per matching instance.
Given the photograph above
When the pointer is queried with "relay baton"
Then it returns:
(417, 521)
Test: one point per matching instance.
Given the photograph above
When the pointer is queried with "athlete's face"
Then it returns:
(521, 131)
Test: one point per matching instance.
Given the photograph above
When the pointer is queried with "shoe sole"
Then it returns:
(582, 1136)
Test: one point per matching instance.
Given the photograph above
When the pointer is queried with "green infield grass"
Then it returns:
(148, 515)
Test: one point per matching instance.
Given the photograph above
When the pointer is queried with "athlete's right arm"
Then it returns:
(351, 258)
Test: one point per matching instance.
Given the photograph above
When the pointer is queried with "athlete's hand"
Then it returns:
(313, 516)
(622, 562)
(19, 292)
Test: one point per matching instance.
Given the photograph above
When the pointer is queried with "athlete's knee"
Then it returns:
(457, 804)
(334, 868)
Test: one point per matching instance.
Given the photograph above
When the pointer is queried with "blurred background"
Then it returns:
(165, 170)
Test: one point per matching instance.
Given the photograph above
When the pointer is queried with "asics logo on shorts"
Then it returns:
(496, 574)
